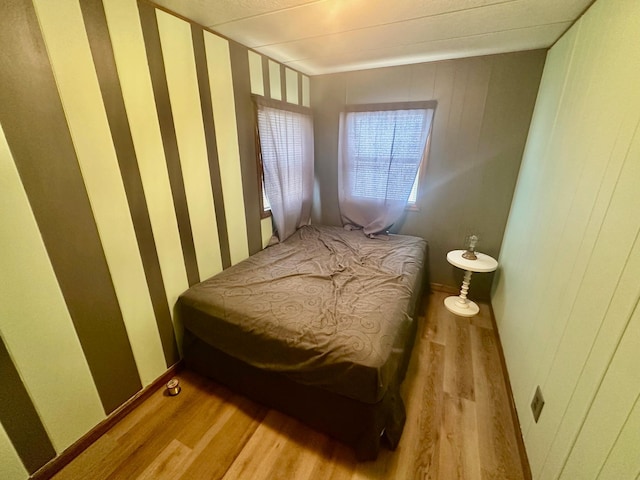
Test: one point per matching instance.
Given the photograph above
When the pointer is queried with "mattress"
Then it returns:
(328, 308)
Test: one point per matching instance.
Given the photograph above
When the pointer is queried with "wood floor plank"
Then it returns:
(158, 406)
(138, 416)
(459, 453)
(86, 466)
(483, 319)
(311, 458)
(168, 463)
(427, 449)
(458, 424)
(221, 445)
(207, 415)
(458, 367)
(295, 456)
(436, 330)
(139, 437)
(400, 465)
(263, 446)
(414, 456)
(339, 465)
(498, 447)
(173, 416)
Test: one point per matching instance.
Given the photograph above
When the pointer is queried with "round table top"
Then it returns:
(484, 263)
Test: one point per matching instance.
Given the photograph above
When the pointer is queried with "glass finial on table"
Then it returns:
(470, 254)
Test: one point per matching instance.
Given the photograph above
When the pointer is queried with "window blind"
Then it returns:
(381, 149)
(281, 134)
(286, 146)
(386, 148)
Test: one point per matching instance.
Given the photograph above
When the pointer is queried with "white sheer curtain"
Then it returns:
(380, 154)
(286, 144)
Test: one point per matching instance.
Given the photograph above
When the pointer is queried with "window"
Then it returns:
(285, 153)
(265, 207)
(380, 157)
(385, 149)
(413, 196)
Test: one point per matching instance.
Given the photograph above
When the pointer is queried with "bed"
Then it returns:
(320, 326)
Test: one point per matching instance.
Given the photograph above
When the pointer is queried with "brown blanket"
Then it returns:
(328, 307)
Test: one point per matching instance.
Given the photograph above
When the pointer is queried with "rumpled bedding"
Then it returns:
(328, 307)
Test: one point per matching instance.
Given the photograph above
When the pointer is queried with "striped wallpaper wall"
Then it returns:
(127, 173)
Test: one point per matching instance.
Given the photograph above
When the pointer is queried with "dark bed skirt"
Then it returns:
(357, 424)
(362, 426)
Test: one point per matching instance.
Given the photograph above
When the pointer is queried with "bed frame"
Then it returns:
(361, 425)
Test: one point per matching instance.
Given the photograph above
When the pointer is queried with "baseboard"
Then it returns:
(439, 287)
(526, 467)
(56, 464)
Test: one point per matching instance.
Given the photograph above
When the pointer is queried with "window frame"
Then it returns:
(264, 212)
(390, 106)
(422, 175)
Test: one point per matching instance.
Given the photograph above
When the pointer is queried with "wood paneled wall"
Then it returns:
(127, 173)
(484, 108)
(567, 298)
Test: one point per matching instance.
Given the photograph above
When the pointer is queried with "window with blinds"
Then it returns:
(281, 148)
(285, 149)
(384, 152)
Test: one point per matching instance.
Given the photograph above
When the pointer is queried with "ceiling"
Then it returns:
(326, 36)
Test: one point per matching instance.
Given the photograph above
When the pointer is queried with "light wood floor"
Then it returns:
(459, 424)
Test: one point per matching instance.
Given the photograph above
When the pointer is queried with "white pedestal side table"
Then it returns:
(460, 305)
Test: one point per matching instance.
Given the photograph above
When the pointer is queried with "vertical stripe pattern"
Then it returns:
(291, 85)
(224, 98)
(300, 93)
(135, 80)
(127, 173)
(169, 141)
(70, 56)
(154, 364)
(306, 89)
(20, 419)
(255, 73)
(182, 81)
(51, 176)
(35, 322)
(266, 78)
(275, 82)
(212, 147)
(271, 80)
(283, 82)
(11, 466)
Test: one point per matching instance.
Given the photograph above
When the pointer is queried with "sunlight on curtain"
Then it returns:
(286, 143)
(380, 157)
